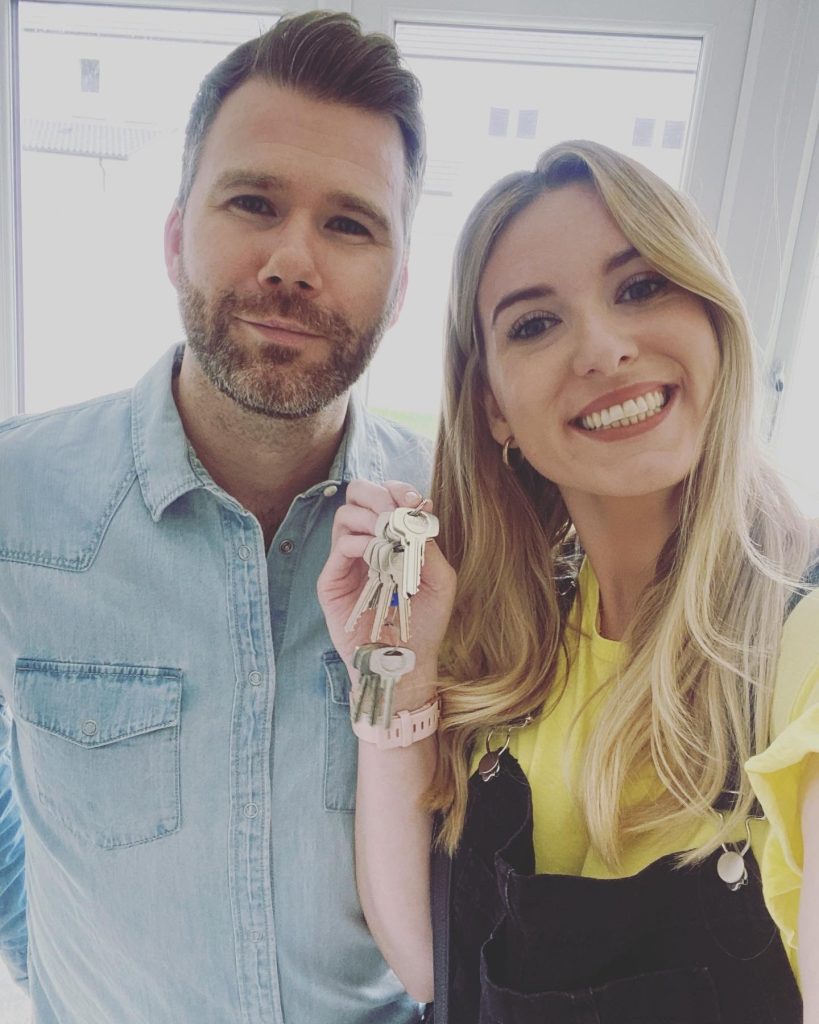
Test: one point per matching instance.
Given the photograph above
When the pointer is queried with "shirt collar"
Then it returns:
(161, 450)
(158, 437)
(359, 455)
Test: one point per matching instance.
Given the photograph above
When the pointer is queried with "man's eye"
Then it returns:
(643, 288)
(531, 325)
(252, 204)
(347, 226)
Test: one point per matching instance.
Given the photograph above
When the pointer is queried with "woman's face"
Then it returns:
(598, 366)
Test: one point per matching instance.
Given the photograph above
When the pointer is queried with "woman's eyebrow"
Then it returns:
(619, 259)
(540, 291)
(543, 291)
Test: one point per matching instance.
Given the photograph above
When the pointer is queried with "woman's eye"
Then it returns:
(252, 204)
(643, 288)
(347, 226)
(531, 325)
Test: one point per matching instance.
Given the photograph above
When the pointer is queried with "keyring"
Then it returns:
(731, 864)
(489, 764)
(417, 510)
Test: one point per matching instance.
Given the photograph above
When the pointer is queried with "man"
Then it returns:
(178, 720)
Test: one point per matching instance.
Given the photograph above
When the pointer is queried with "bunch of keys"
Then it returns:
(380, 667)
(395, 557)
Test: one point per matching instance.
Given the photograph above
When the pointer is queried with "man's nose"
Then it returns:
(602, 347)
(291, 258)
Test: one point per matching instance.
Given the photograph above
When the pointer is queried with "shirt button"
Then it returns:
(89, 727)
(330, 491)
(243, 552)
(251, 810)
(286, 547)
(255, 678)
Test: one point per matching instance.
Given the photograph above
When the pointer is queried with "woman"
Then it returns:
(615, 664)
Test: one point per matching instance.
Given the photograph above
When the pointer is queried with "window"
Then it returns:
(643, 134)
(527, 124)
(673, 134)
(89, 75)
(498, 121)
(796, 429)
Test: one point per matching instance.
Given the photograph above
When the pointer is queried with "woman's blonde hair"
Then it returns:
(694, 696)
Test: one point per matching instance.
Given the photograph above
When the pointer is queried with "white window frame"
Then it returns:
(750, 161)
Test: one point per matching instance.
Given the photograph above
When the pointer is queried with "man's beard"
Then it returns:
(268, 379)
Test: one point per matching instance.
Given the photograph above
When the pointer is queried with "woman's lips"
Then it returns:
(631, 421)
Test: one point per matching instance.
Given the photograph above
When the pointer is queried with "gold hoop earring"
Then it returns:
(505, 451)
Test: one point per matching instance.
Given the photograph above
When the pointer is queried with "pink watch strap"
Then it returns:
(406, 727)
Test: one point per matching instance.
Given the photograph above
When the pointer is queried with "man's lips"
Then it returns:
(280, 328)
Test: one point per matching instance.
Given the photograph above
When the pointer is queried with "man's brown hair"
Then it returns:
(326, 56)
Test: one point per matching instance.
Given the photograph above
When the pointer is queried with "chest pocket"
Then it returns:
(103, 745)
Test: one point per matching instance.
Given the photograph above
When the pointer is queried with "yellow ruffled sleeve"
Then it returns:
(776, 773)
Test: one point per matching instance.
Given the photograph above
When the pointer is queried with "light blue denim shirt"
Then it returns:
(176, 722)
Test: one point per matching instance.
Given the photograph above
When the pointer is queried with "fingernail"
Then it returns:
(411, 496)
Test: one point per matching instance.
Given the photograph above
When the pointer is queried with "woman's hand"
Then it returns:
(345, 574)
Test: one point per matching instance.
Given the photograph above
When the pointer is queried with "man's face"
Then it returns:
(289, 255)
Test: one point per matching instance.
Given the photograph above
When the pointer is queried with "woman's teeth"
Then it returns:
(633, 410)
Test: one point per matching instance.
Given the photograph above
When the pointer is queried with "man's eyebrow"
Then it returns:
(540, 291)
(351, 203)
(619, 259)
(246, 179)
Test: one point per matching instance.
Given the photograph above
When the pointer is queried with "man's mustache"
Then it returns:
(303, 313)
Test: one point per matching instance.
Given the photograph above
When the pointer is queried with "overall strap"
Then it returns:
(440, 876)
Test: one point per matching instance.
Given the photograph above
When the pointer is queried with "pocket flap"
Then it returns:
(338, 679)
(95, 704)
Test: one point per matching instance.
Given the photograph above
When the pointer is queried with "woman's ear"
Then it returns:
(499, 426)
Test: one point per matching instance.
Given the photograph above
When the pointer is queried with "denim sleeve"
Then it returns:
(13, 932)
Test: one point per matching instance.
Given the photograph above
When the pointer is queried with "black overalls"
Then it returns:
(665, 946)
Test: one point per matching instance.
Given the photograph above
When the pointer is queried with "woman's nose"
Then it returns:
(602, 348)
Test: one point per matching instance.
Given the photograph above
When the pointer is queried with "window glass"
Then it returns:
(493, 100)
(796, 447)
(104, 98)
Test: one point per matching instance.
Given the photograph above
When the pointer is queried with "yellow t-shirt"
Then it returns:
(560, 838)
(776, 773)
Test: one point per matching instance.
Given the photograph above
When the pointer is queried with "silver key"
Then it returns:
(398, 559)
(389, 664)
(367, 682)
(412, 529)
(376, 556)
(382, 607)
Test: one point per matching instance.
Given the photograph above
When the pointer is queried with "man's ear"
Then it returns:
(173, 244)
(499, 426)
(400, 294)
